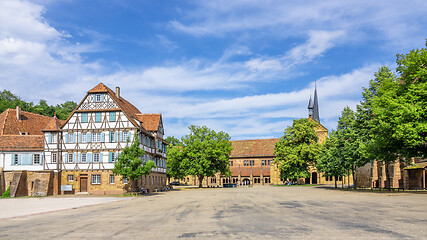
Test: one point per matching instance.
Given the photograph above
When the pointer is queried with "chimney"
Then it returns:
(118, 92)
(18, 113)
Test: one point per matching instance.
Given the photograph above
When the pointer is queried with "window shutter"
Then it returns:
(88, 137)
(66, 157)
(93, 97)
(130, 136)
(74, 157)
(100, 157)
(79, 157)
(41, 158)
(13, 159)
(66, 138)
(79, 140)
(89, 157)
(102, 97)
(110, 157)
(121, 136)
(102, 137)
(49, 138)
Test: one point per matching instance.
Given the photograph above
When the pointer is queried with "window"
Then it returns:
(54, 157)
(70, 158)
(113, 137)
(15, 160)
(98, 117)
(96, 157)
(71, 138)
(98, 97)
(70, 178)
(84, 137)
(125, 181)
(54, 138)
(84, 117)
(125, 136)
(231, 163)
(36, 159)
(263, 162)
(252, 162)
(112, 179)
(112, 116)
(83, 160)
(96, 179)
(96, 137)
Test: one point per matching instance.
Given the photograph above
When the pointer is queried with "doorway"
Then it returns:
(246, 182)
(314, 178)
(83, 184)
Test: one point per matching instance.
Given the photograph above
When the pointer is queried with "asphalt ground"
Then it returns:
(234, 213)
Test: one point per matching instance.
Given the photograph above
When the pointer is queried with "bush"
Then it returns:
(6, 194)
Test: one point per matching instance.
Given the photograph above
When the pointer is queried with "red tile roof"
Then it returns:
(54, 124)
(253, 148)
(30, 123)
(21, 143)
(247, 170)
(150, 121)
(99, 89)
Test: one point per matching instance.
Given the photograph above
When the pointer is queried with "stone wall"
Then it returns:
(29, 183)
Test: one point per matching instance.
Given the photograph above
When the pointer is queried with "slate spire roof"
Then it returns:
(316, 106)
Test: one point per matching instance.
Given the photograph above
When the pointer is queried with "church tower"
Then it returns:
(313, 106)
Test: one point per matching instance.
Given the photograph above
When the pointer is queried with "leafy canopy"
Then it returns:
(297, 149)
(202, 153)
(129, 164)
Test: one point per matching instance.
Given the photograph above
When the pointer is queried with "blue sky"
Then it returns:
(243, 67)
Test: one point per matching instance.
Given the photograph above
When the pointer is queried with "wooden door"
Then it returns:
(83, 184)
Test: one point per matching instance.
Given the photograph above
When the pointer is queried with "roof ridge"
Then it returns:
(261, 139)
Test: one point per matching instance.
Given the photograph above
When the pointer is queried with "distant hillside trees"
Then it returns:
(10, 100)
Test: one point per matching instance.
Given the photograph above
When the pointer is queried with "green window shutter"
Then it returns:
(84, 117)
(41, 158)
(79, 140)
(66, 158)
(49, 138)
(88, 137)
(110, 157)
(121, 136)
(74, 157)
(66, 138)
(130, 136)
(112, 116)
(102, 97)
(102, 137)
(100, 157)
(89, 157)
(13, 159)
(79, 157)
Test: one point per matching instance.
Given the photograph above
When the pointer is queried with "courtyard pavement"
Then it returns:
(235, 213)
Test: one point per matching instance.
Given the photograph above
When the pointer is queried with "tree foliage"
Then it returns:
(202, 153)
(399, 110)
(297, 149)
(9, 100)
(172, 140)
(129, 164)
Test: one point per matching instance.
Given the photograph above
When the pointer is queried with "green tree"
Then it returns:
(64, 110)
(129, 164)
(202, 153)
(172, 140)
(400, 113)
(297, 149)
(330, 161)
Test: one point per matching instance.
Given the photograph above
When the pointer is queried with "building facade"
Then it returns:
(79, 153)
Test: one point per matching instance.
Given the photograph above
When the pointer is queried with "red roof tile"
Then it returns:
(21, 143)
(30, 123)
(53, 125)
(151, 121)
(253, 148)
(99, 88)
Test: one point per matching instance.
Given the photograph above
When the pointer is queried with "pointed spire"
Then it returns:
(316, 105)
(310, 107)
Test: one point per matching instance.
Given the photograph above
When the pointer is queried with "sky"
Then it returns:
(243, 67)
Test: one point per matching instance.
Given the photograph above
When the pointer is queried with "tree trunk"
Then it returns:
(335, 182)
(353, 172)
(200, 181)
(387, 176)
(348, 178)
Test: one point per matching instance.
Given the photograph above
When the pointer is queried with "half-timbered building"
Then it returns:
(79, 153)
